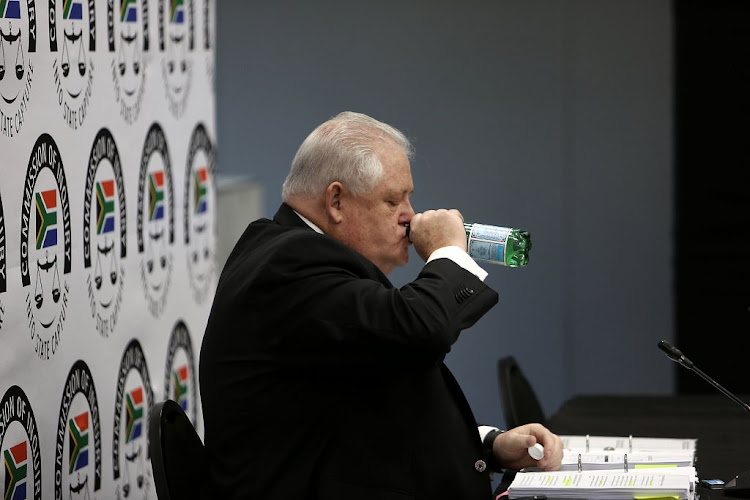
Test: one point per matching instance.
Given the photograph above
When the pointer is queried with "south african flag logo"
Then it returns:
(156, 195)
(78, 440)
(177, 11)
(134, 416)
(128, 11)
(46, 219)
(16, 458)
(105, 206)
(200, 200)
(180, 379)
(10, 9)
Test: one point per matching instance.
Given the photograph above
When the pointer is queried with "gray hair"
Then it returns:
(344, 149)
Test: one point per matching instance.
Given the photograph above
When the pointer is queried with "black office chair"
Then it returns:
(176, 452)
(520, 404)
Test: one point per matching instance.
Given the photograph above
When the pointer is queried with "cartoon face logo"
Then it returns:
(156, 247)
(176, 62)
(201, 244)
(19, 447)
(155, 219)
(17, 43)
(45, 246)
(179, 376)
(78, 454)
(199, 213)
(106, 270)
(74, 28)
(78, 451)
(47, 290)
(132, 464)
(12, 58)
(177, 44)
(135, 458)
(128, 41)
(73, 49)
(104, 237)
(135, 480)
(201, 224)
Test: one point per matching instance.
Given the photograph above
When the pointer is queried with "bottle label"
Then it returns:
(487, 243)
(486, 251)
(493, 234)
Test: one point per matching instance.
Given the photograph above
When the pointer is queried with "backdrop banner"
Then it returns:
(107, 235)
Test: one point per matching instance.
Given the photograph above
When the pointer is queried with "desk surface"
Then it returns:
(721, 426)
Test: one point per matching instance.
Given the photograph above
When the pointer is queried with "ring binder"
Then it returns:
(614, 468)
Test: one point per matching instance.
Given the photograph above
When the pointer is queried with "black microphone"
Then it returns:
(740, 485)
(676, 355)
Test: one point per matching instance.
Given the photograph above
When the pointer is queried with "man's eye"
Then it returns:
(393, 203)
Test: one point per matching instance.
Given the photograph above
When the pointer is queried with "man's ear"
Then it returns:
(333, 202)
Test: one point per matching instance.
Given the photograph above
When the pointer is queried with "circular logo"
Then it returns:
(127, 37)
(78, 458)
(155, 223)
(104, 232)
(199, 203)
(176, 41)
(72, 30)
(17, 44)
(45, 246)
(131, 464)
(179, 374)
(19, 445)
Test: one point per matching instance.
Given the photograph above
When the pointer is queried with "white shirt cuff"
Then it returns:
(484, 430)
(461, 258)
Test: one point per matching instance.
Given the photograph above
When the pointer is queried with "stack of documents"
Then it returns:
(678, 483)
(622, 460)
(609, 467)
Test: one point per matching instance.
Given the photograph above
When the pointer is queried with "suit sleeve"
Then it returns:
(333, 304)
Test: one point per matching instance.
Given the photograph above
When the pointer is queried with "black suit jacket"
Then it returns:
(320, 380)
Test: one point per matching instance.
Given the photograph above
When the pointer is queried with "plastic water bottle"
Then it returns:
(498, 245)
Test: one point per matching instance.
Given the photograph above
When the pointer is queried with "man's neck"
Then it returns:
(308, 212)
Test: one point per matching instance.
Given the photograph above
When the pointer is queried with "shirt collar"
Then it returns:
(309, 223)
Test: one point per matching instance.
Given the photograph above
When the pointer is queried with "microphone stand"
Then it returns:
(739, 486)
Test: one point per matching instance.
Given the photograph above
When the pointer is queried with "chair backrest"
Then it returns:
(519, 402)
(177, 452)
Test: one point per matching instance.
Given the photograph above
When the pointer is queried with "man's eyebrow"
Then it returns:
(395, 193)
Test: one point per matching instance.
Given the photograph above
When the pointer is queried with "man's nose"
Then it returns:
(407, 215)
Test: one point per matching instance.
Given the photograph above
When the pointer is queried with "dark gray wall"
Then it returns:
(553, 116)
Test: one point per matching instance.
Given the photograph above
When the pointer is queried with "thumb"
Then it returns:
(519, 440)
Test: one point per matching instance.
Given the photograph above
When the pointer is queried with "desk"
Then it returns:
(721, 426)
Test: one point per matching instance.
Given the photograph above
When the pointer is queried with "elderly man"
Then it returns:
(319, 378)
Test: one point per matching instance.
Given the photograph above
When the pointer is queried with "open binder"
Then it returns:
(607, 467)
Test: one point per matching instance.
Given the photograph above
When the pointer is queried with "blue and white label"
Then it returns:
(492, 234)
(487, 243)
(486, 251)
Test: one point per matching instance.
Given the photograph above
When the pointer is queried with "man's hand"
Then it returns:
(511, 448)
(435, 229)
